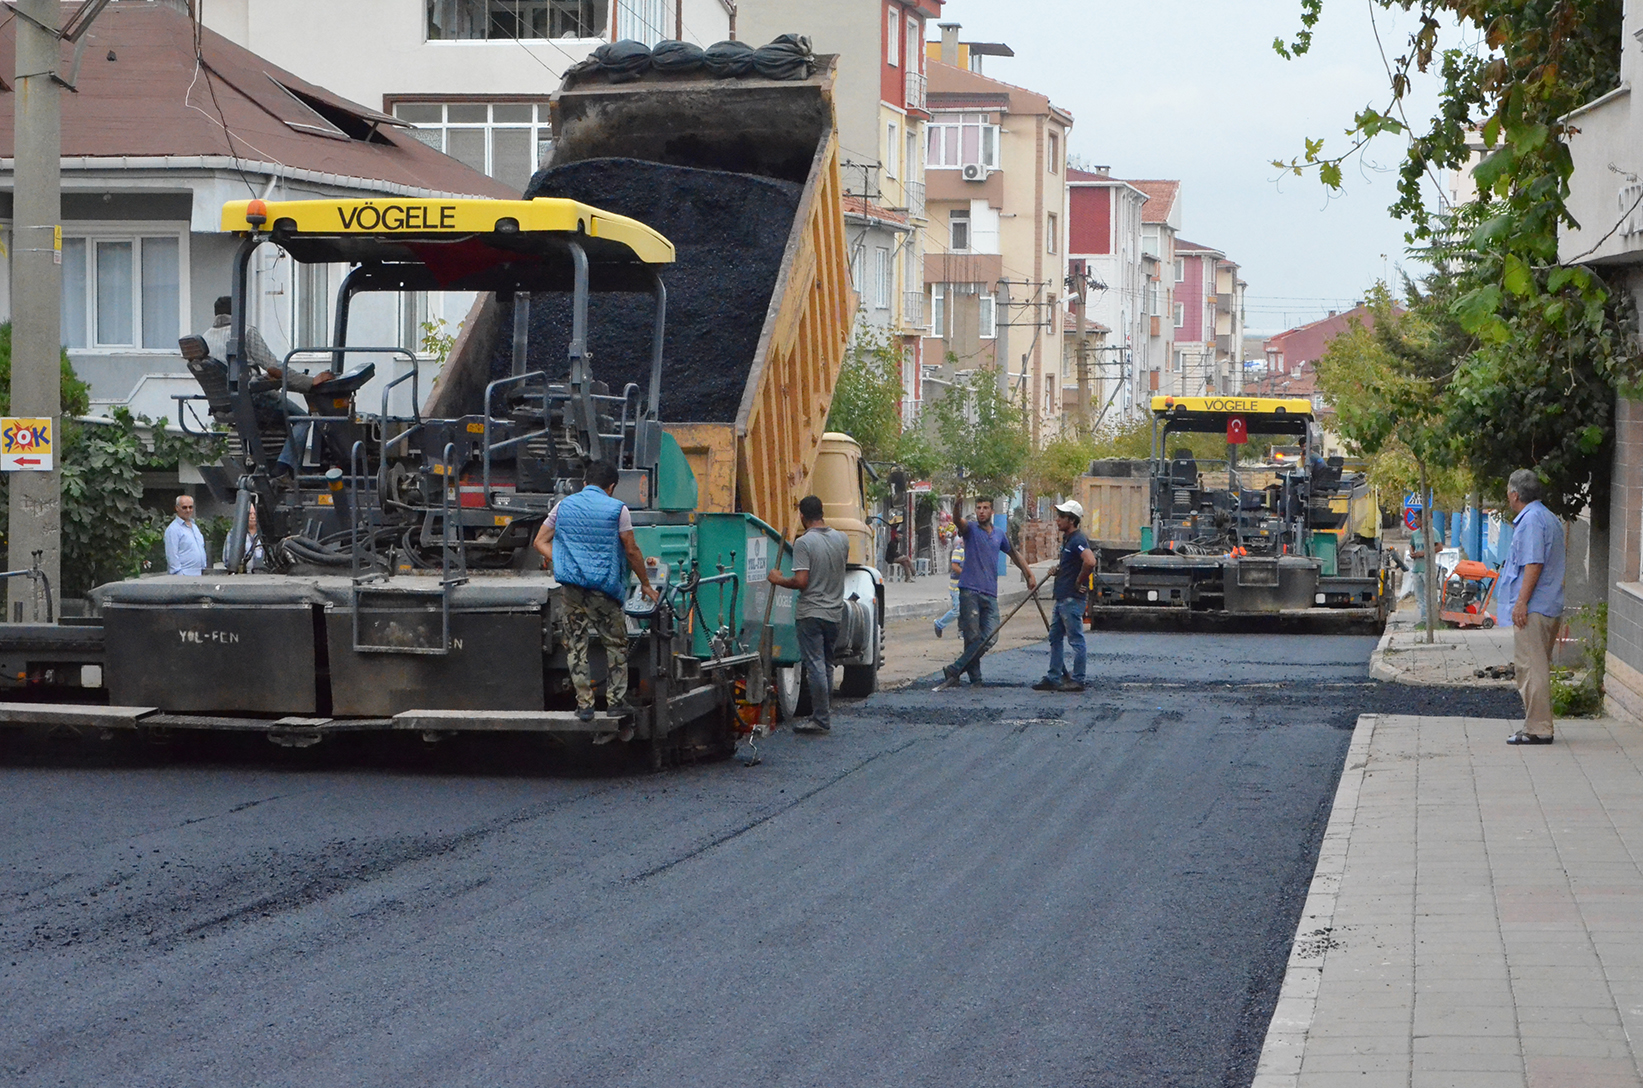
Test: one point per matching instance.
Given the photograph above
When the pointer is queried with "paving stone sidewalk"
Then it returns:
(1476, 916)
(1452, 657)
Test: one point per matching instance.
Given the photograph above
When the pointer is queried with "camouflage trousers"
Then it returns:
(589, 614)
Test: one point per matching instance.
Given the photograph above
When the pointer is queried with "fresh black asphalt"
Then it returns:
(987, 886)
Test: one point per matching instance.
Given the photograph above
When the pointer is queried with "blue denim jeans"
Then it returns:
(1067, 622)
(816, 641)
(977, 616)
(951, 614)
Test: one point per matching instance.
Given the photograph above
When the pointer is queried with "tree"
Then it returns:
(1054, 468)
(1549, 345)
(1389, 389)
(106, 529)
(983, 437)
(867, 399)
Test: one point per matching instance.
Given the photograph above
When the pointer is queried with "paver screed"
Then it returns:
(1476, 916)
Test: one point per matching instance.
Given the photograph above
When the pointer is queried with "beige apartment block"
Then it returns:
(880, 100)
(996, 200)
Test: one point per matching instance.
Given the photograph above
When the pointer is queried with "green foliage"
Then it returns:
(1054, 468)
(983, 435)
(437, 338)
(1529, 352)
(867, 399)
(76, 394)
(107, 531)
(1580, 694)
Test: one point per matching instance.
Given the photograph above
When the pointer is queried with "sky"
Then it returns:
(1192, 89)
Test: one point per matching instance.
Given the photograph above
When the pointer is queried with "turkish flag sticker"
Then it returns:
(1237, 430)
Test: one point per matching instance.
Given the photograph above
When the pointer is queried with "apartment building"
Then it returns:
(470, 78)
(1105, 241)
(881, 102)
(1208, 317)
(1160, 223)
(165, 126)
(996, 267)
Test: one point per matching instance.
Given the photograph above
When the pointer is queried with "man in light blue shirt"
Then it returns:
(1530, 598)
(184, 543)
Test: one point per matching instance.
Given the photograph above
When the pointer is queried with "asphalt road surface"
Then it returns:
(977, 887)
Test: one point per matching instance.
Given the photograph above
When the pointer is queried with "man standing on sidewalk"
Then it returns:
(1077, 560)
(819, 556)
(1530, 597)
(978, 585)
(184, 544)
(1417, 556)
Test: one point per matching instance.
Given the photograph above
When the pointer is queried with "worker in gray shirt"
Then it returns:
(818, 574)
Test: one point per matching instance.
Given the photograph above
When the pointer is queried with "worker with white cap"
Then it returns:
(1071, 574)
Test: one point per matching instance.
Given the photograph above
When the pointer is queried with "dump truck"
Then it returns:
(403, 593)
(1251, 537)
(748, 386)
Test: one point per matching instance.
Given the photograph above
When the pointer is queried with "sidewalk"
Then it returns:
(1476, 916)
(927, 597)
(1452, 657)
(1475, 919)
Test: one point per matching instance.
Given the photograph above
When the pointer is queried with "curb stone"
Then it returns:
(1280, 1063)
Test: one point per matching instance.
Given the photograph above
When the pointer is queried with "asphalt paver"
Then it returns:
(976, 887)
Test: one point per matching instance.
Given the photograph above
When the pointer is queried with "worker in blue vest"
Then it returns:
(584, 539)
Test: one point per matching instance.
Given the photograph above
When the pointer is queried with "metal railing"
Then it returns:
(917, 92)
(912, 309)
(915, 199)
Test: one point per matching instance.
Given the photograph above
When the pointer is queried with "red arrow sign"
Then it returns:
(28, 460)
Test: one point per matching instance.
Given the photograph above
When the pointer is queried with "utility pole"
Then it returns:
(36, 286)
(1080, 286)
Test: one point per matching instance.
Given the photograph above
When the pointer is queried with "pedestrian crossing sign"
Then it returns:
(25, 444)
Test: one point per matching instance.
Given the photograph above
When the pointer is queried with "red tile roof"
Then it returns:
(154, 101)
(1161, 196)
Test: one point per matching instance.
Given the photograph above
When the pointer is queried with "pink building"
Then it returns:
(1208, 319)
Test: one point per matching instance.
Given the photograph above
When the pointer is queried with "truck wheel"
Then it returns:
(859, 681)
(787, 692)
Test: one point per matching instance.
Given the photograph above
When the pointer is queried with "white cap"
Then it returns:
(1073, 507)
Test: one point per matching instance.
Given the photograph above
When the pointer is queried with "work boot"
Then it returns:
(1047, 684)
(584, 713)
(1071, 685)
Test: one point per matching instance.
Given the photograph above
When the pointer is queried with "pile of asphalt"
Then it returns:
(729, 231)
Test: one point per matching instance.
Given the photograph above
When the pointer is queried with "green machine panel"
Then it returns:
(744, 546)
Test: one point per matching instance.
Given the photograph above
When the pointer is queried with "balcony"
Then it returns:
(1223, 302)
(1223, 342)
(917, 91)
(912, 310)
(915, 199)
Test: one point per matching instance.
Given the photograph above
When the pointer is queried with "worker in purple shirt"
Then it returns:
(1530, 598)
(978, 583)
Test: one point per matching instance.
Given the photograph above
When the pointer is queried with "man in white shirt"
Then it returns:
(184, 543)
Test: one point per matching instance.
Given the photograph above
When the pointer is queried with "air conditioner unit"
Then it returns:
(975, 171)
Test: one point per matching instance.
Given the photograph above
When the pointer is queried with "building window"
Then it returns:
(1054, 156)
(987, 318)
(1051, 233)
(959, 224)
(644, 21)
(892, 37)
(938, 309)
(507, 140)
(858, 271)
(890, 142)
(881, 278)
(122, 292)
(915, 43)
(1180, 315)
(960, 140)
(311, 306)
(1180, 270)
(1180, 362)
(471, 20)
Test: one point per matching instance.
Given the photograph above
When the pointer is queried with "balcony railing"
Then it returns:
(915, 199)
(912, 310)
(917, 87)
